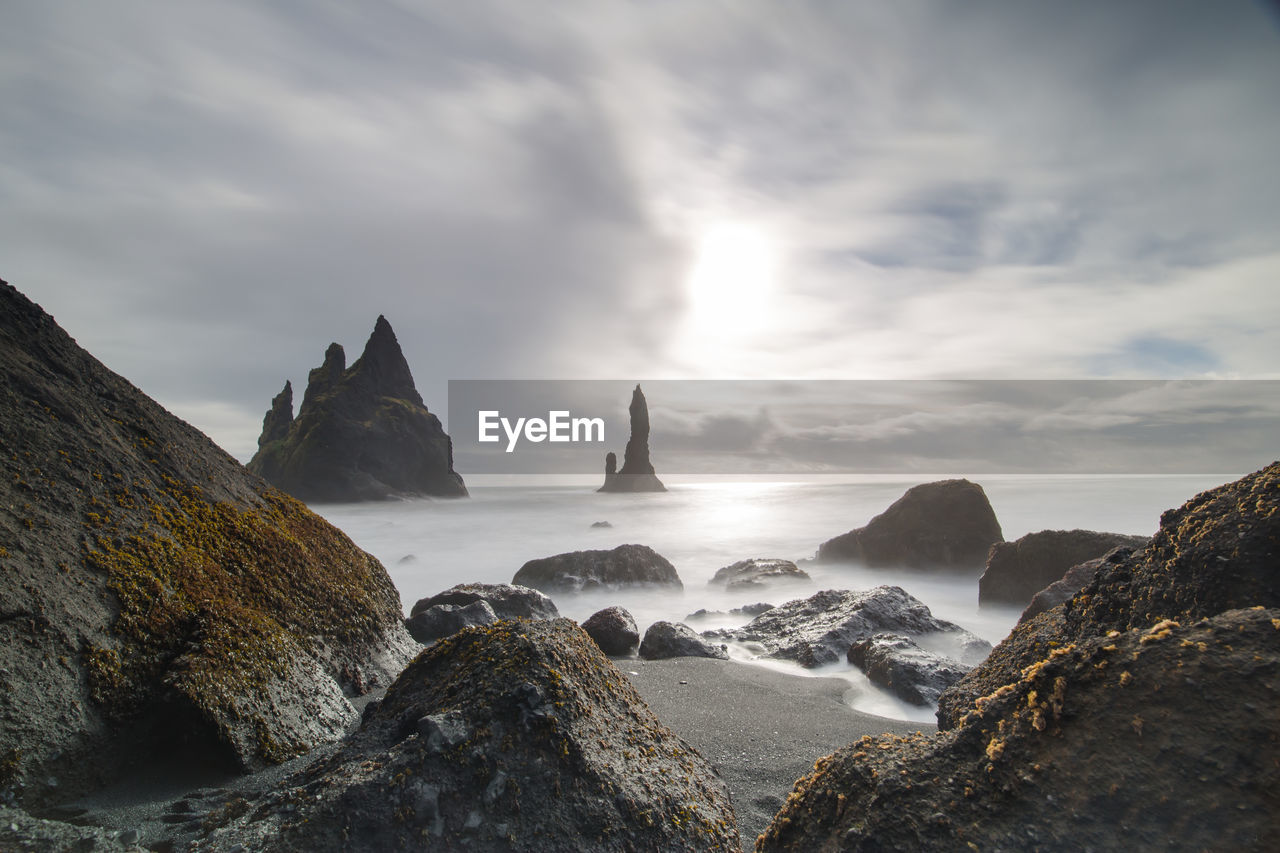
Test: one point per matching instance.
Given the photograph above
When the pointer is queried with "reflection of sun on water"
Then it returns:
(731, 279)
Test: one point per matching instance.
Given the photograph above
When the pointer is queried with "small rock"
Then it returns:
(601, 524)
(129, 837)
(675, 639)
(444, 731)
(614, 630)
(758, 573)
(445, 620)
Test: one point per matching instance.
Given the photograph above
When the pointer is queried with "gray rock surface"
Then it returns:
(1017, 570)
(517, 737)
(911, 673)
(614, 630)
(948, 524)
(624, 566)
(637, 473)
(675, 640)
(508, 601)
(361, 433)
(155, 595)
(1075, 579)
(820, 629)
(443, 620)
(758, 573)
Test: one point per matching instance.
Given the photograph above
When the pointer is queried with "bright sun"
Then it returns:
(732, 277)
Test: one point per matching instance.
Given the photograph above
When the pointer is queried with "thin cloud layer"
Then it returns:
(206, 195)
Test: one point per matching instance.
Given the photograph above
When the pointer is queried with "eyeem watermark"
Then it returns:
(558, 426)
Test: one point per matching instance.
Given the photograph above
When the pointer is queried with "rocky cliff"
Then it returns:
(362, 433)
(636, 473)
(155, 596)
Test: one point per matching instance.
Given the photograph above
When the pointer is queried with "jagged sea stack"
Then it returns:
(361, 433)
(637, 473)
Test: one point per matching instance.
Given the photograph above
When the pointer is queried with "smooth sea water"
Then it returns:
(430, 545)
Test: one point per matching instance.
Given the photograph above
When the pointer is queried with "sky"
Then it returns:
(206, 194)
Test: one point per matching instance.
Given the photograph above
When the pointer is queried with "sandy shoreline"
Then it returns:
(761, 729)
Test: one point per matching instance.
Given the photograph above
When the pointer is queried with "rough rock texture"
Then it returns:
(1161, 738)
(624, 566)
(1017, 570)
(745, 610)
(758, 573)
(636, 474)
(1075, 579)
(614, 630)
(820, 629)
(1219, 551)
(677, 640)
(360, 434)
(443, 620)
(276, 423)
(911, 673)
(21, 831)
(947, 524)
(154, 595)
(521, 736)
(507, 601)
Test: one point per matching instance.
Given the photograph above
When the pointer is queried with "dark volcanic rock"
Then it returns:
(276, 423)
(520, 737)
(444, 620)
(1075, 579)
(745, 610)
(614, 630)
(820, 629)
(155, 596)
(1217, 552)
(636, 474)
(898, 664)
(360, 434)
(947, 524)
(1018, 570)
(758, 573)
(1161, 738)
(507, 601)
(677, 640)
(624, 566)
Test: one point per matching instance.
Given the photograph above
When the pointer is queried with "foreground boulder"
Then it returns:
(1155, 739)
(676, 640)
(758, 573)
(507, 601)
(901, 666)
(521, 736)
(156, 596)
(1217, 552)
(636, 474)
(948, 524)
(1017, 570)
(577, 571)
(614, 630)
(361, 433)
(820, 629)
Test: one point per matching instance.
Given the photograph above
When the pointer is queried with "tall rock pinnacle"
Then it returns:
(275, 426)
(362, 433)
(636, 474)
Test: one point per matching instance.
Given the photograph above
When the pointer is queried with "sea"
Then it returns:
(702, 525)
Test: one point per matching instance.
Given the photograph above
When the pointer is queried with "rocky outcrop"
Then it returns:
(899, 665)
(361, 433)
(444, 620)
(507, 601)
(614, 630)
(751, 610)
(276, 423)
(820, 629)
(520, 737)
(636, 474)
(1017, 570)
(624, 566)
(758, 573)
(676, 640)
(1217, 552)
(154, 595)
(1156, 739)
(944, 525)
(1145, 702)
(1075, 579)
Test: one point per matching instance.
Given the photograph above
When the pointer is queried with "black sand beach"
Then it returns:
(762, 729)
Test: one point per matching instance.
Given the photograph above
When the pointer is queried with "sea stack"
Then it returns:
(362, 433)
(636, 474)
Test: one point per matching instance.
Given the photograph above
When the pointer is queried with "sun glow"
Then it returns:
(731, 278)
